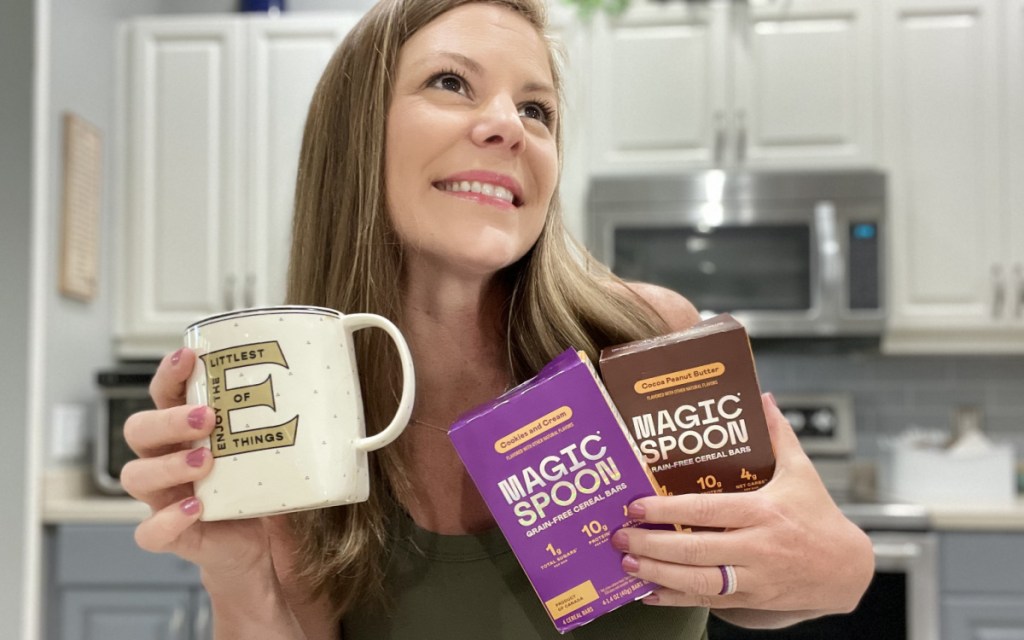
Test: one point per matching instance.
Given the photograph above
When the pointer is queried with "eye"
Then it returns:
(449, 81)
(538, 111)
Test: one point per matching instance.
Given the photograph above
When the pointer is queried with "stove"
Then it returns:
(825, 424)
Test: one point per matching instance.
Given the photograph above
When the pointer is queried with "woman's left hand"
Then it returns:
(792, 549)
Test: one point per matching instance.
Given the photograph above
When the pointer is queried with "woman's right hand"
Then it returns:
(163, 474)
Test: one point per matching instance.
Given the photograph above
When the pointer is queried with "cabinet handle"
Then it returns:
(176, 625)
(999, 291)
(719, 119)
(229, 292)
(741, 136)
(719, 136)
(1018, 270)
(249, 296)
(201, 628)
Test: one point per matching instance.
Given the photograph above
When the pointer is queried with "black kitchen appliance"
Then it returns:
(123, 390)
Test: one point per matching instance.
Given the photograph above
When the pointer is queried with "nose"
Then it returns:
(499, 125)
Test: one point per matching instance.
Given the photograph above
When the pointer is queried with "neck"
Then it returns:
(455, 330)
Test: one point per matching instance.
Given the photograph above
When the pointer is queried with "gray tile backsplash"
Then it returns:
(892, 393)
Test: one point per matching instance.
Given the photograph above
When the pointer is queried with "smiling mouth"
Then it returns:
(483, 188)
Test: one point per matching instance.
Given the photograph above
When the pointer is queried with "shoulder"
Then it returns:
(677, 312)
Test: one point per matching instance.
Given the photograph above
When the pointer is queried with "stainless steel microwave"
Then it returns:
(790, 254)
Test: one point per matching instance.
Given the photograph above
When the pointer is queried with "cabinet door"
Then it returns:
(285, 58)
(941, 127)
(566, 29)
(804, 83)
(183, 138)
(658, 91)
(990, 618)
(125, 614)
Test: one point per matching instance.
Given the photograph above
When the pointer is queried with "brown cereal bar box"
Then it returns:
(692, 403)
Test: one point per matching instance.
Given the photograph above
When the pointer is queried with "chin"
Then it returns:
(485, 251)
(481, 260)
(487, 264)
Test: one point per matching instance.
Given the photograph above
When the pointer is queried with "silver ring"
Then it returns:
(728, 579)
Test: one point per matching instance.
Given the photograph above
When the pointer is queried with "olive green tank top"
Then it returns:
(472, 587)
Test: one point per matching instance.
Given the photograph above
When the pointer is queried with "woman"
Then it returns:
(444, 217)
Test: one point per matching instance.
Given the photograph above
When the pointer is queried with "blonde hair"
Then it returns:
(345, 255)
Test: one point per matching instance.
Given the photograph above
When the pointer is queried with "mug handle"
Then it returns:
(357, 321)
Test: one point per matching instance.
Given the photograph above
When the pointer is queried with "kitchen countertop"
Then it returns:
(978, 518)
(69, 497)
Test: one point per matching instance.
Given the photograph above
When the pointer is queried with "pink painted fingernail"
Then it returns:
(190, 506)
(651, 599)
(636, 511)
(197, 417)
(620, 540)
(630, 564)
(771, 399)
(196, 457)
(177, 356)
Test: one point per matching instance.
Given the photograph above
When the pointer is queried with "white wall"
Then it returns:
(16, 53)
(81, 81)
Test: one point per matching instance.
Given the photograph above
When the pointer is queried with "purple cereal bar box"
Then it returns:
(555, 465)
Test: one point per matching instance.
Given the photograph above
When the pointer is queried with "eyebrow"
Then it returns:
(474, 66)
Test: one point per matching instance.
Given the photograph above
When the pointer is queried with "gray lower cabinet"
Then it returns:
(983, 586)
(101, 586)
(989, 618)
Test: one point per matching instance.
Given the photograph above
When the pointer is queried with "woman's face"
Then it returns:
(471, 161)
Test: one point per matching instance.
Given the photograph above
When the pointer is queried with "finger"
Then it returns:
(700, 548)
(164, 479)
(693, 581)
(785, 443)
(153, 433)
(719, 510)
(671, 598)
(168, 387)
(162, 531)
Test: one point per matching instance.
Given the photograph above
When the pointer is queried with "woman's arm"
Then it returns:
(268, 601)
(796, 556)
(235, 558)
(317, 616)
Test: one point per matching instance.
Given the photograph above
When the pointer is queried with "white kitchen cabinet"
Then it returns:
(952, 105)
(212, 112)
(760, 84)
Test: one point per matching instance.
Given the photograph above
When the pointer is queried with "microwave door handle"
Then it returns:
(741, 137)
(998, 290)
(827, 237)
(1019, 270)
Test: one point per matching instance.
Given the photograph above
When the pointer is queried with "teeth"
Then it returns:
(484, 188)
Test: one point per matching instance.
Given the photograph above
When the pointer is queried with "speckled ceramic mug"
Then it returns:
(289, 433)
